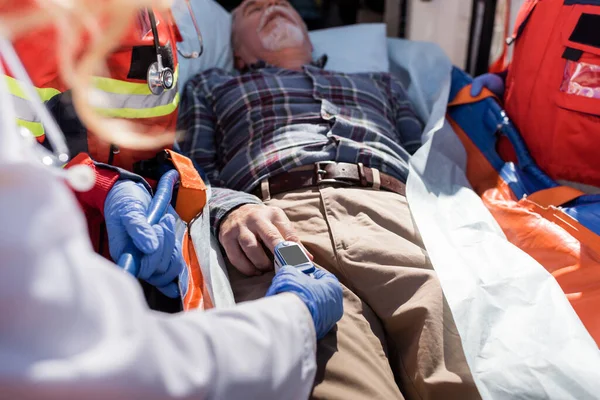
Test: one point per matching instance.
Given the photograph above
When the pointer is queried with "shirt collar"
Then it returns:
(318, 63)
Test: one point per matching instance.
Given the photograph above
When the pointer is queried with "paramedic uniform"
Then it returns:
(553, 86)
(124, 86)
(73, 325)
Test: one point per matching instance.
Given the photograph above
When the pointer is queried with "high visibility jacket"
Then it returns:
(553, 86)
(124, 85)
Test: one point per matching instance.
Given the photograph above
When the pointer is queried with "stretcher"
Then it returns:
(521, 335)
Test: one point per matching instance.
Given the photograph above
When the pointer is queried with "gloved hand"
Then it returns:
(125, 211)
(322, 294)
(161, 268)
(491, 81)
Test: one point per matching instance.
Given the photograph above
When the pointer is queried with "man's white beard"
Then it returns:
(283, 34)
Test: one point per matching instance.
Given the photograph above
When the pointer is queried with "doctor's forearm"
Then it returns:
(263, 349)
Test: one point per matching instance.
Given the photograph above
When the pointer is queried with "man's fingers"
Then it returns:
(276, 230)
(245, 228)
(269, 234)
(285, 227)
(230, 232)
(238, 258)
(308, 253)
(254, 251)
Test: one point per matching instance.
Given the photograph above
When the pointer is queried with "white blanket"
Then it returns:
(521, 337)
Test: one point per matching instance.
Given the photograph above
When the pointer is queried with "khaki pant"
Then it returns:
(397, 338)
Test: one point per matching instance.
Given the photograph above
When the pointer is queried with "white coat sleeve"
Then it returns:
(73, 325)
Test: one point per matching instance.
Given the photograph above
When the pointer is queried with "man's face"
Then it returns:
(262, 29)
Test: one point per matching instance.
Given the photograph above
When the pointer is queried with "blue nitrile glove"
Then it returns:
(161, 268)
(322, 294)
(125, 210)
(493, 82)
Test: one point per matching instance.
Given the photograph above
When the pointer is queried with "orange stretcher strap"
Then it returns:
(191, 196)
(556, 196)
(464, 96)
(197, 296)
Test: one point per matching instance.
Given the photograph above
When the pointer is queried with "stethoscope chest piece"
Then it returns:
(160, 78)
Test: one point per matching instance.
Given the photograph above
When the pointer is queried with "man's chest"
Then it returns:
(296, 97)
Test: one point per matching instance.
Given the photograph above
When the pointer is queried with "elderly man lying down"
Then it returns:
(302, 154)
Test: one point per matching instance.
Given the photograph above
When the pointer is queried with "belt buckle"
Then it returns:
(319, 172)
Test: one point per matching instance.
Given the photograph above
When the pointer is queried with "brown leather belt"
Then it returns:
(332, 173)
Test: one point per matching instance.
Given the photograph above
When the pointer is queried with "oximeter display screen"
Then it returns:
(293, 255)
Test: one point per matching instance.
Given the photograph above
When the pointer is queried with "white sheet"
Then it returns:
(521, 337)
(214, 270)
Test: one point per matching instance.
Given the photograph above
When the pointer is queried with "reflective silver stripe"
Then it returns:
(120, 106)
(131, 100)
(121, 101)
(24, 110)
(116, 105)
(139, 101)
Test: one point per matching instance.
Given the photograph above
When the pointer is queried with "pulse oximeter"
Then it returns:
(290, 253)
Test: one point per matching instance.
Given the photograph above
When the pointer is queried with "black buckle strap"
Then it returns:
(152, 168)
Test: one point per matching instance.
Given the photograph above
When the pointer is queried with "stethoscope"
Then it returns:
(193, 54)
(161, 78)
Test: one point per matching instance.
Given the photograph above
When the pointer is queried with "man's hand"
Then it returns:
(245, 229)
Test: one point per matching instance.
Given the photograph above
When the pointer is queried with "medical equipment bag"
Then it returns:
(553, 86)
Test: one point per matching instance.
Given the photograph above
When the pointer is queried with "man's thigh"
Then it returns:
(352, 359)
(380, 253)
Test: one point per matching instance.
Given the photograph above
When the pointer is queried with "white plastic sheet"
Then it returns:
(521, 337)
(214, 270)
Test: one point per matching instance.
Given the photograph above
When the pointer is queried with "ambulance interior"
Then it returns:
(522, 328)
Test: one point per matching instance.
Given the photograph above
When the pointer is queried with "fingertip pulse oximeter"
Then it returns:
(290, 253)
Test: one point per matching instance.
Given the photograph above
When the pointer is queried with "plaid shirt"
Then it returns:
(243, 128)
